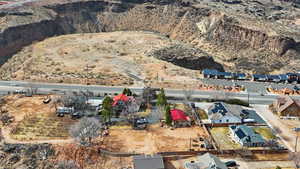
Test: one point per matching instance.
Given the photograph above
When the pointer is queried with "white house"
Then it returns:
(225, 113)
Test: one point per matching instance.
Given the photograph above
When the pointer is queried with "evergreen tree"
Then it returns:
(124, 91)
(168, 117)
(107, 103)
(107, 108)
(127, 92)
(161, 98)
(106, 115)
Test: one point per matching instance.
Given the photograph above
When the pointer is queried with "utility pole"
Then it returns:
(297, 129)
(87, 73)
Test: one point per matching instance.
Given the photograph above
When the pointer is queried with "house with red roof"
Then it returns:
(179, 118)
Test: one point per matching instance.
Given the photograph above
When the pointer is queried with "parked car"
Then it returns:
(76, 115)
(230, 164)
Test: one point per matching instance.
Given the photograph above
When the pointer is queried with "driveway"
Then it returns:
(282, 130)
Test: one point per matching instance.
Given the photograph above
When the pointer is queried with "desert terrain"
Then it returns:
(115, 58)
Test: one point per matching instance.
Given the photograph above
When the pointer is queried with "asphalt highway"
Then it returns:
(254, 97)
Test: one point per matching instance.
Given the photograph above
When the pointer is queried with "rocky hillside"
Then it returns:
(254, 36)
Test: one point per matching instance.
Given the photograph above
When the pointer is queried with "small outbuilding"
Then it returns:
(148, 162)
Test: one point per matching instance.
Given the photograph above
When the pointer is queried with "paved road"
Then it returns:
(254, 97)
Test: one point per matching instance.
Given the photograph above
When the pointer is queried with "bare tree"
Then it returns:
(67, 165)
(85, 130)
(295, 157)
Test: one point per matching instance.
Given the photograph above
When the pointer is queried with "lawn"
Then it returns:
(222, 136)
(265, 132)
(202, 114)
(42, 127)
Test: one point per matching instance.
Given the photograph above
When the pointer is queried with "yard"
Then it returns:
(35, 120)
(154, 139)
(42, 127)
(222, 136)
(265, 132)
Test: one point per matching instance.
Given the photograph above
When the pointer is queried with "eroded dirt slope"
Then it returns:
(115, 58)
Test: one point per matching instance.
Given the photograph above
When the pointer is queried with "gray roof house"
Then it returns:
(225, 113)
(148, 162)
(245, 136)
(206, 161)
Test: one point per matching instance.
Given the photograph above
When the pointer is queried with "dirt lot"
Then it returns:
(115, 58)
(34, 120)
(155, 139)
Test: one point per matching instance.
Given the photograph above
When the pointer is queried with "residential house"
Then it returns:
(273, 78)
(225, 75)
(179, 118)
(226, 113)
(245, 136)
(257, 77)
(210, 73)
(148, 162)
(240, 76)
(206, 161)
(286, 106)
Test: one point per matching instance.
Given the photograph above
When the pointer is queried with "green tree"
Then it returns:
(168, 117)
(107, 103)
(106, 115)
(127, 92)
(278, 167)
(161, 98)
(107, 109)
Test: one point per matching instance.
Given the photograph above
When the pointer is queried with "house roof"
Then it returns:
(120, 97)
(220, 109)
(94, 101)
(246, 134)
(285, 102)
(283, 77)
(209, 161)
(210, 72)
(177, 114)
(258, 76)
(148, 162)
(206, 161)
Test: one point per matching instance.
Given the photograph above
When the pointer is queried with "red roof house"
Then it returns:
(178, 115)
(120, 97)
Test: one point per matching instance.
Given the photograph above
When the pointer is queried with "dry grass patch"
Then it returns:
(42, 127)
(154, 139)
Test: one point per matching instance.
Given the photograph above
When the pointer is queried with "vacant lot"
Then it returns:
(223, 138)
(35, 120)
(115, 58)
(154, 139)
